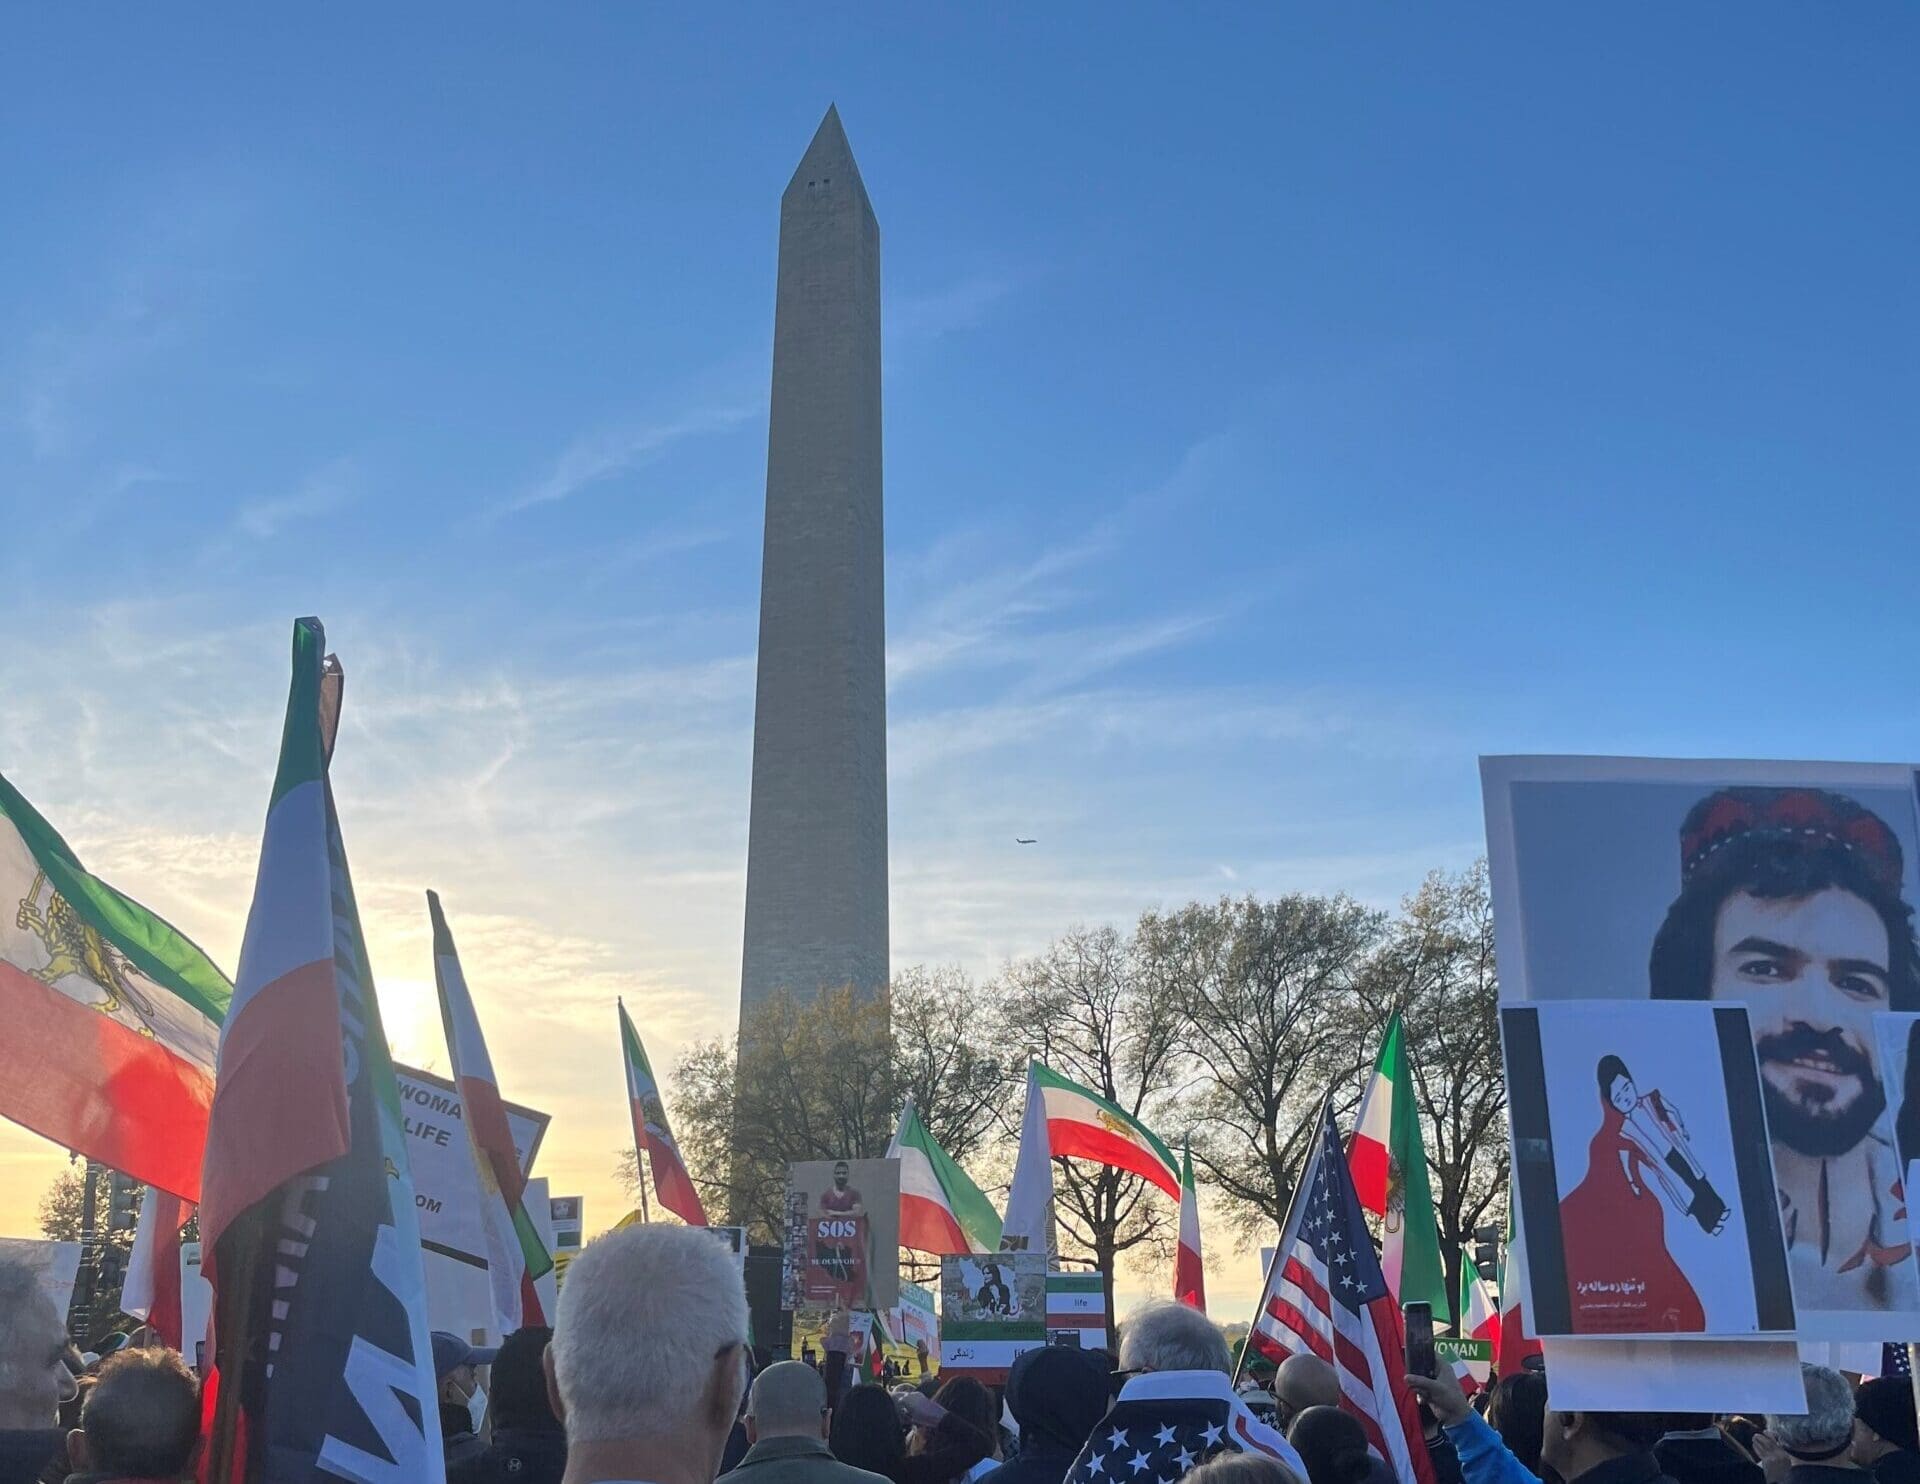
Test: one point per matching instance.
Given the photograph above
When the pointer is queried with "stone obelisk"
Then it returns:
(817, 834)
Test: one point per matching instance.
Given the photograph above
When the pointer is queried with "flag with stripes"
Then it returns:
(515, 1254)
(652, 1136)
(1326, 1295)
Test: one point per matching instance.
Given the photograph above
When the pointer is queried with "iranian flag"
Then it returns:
(109, 1018)
(1388, 1162)
(1479, 1324)
(1189, 1272)
(941, 1210)
(1084, 1125)
(651, 1135)
(1514, 1342)
(151, 1292)
(515, 1254)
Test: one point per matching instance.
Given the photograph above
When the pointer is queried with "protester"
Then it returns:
(646, 1365)
(1594, 1447)
(1302, 1381)
(866, 1432)
(1178, 1393)
(463, 1403)
(1884, 1436)
(34, 1379)
(1517, 1411)
(787, 1423)
(528, 1445)
(1332, 1445)
(1056, 1396)
(141, 1422)
(1814, 1446)
(1696, 1451)
(954, 1435)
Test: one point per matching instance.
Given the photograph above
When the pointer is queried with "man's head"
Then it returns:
(1790, 904)
(841, 1174)
(1304, 1381)
(1883, 1419)
(517, 1385)
(1616, 1083)
(649, 1341)
(788, 1400)
(1573, 1442)
(34, 1379)
(456, 1367)
(142, 1417)
(1825, 1430)
(1169, 1336)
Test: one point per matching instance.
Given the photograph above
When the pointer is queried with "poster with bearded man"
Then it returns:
(1783, 888)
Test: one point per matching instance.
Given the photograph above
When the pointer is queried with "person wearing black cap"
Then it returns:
(1885, 1440)
(528, 1446)
(463, 1401)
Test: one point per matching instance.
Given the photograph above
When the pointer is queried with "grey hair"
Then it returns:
(1169, 1336)
(1828, 1420)
(1242, 1468)
(787, 1397)
(643, 1317)
(20, 1296)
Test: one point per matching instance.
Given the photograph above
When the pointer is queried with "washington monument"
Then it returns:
(817, 834)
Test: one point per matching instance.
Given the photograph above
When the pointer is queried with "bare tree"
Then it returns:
(1436, 968)
(1264, 1000)
(1084, 1007)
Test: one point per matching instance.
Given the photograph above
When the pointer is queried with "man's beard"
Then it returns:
(1821, 1129)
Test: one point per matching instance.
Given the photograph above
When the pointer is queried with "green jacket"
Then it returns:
(797, 1461)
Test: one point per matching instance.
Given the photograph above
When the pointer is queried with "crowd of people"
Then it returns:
(648, 1376)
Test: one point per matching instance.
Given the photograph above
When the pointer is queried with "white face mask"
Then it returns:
(477, 1406)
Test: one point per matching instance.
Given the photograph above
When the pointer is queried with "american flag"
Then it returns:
(1326, 1295)
(1165, 1422)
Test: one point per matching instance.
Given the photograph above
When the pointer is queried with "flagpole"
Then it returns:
(1280, 1242)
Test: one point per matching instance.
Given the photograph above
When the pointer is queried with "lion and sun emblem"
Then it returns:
(75, 946)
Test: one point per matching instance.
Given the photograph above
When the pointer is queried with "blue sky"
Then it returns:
(1284, 405)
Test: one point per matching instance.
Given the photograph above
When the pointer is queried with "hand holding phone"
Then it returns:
(1419, 1326)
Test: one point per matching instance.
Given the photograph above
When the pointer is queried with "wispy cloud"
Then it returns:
(603, 455)
(322, 492)
(910, 317)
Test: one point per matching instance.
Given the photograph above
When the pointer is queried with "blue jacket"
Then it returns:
(1484, 1459)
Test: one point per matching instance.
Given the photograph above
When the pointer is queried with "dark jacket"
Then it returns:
(26, 1451)
(796, 1461)
(1708, 1458)
(1057, 1397)
(1897, 1467)
(457, 1435)
(517, 1455)
(1827, 1473)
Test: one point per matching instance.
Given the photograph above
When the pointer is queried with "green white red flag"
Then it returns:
(1515, 1342)
(1388, 1160)
(1082, 1124)
(941, 1210)
(1472, 1348)
(151, 1292)
(1189, 1271)
(652, 1137)
(109, 1018)
(515, 1254)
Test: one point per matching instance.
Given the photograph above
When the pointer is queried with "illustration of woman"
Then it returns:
(1620, 1276)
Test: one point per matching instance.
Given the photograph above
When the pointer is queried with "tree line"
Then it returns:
(1224, 1023)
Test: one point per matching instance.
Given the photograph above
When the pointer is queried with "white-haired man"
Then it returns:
(648, 1359)
(1814, 1446)
(34, 1379)
(1178, 1407)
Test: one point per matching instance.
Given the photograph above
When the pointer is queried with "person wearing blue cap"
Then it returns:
(463, 1400)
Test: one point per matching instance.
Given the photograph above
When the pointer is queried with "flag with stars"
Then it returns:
(1327, 1296)
(1166, 1422)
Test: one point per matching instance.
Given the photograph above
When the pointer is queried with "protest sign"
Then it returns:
(56, 1266)
(1784, 887)
(843, 1234)
(992, 1310)
(1642, 1171)
(196, 1305)
(1077, 1311)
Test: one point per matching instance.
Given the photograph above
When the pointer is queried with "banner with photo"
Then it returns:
(1640, 1161)
(843, 1235)
(1783, 887)
(993, 1309)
